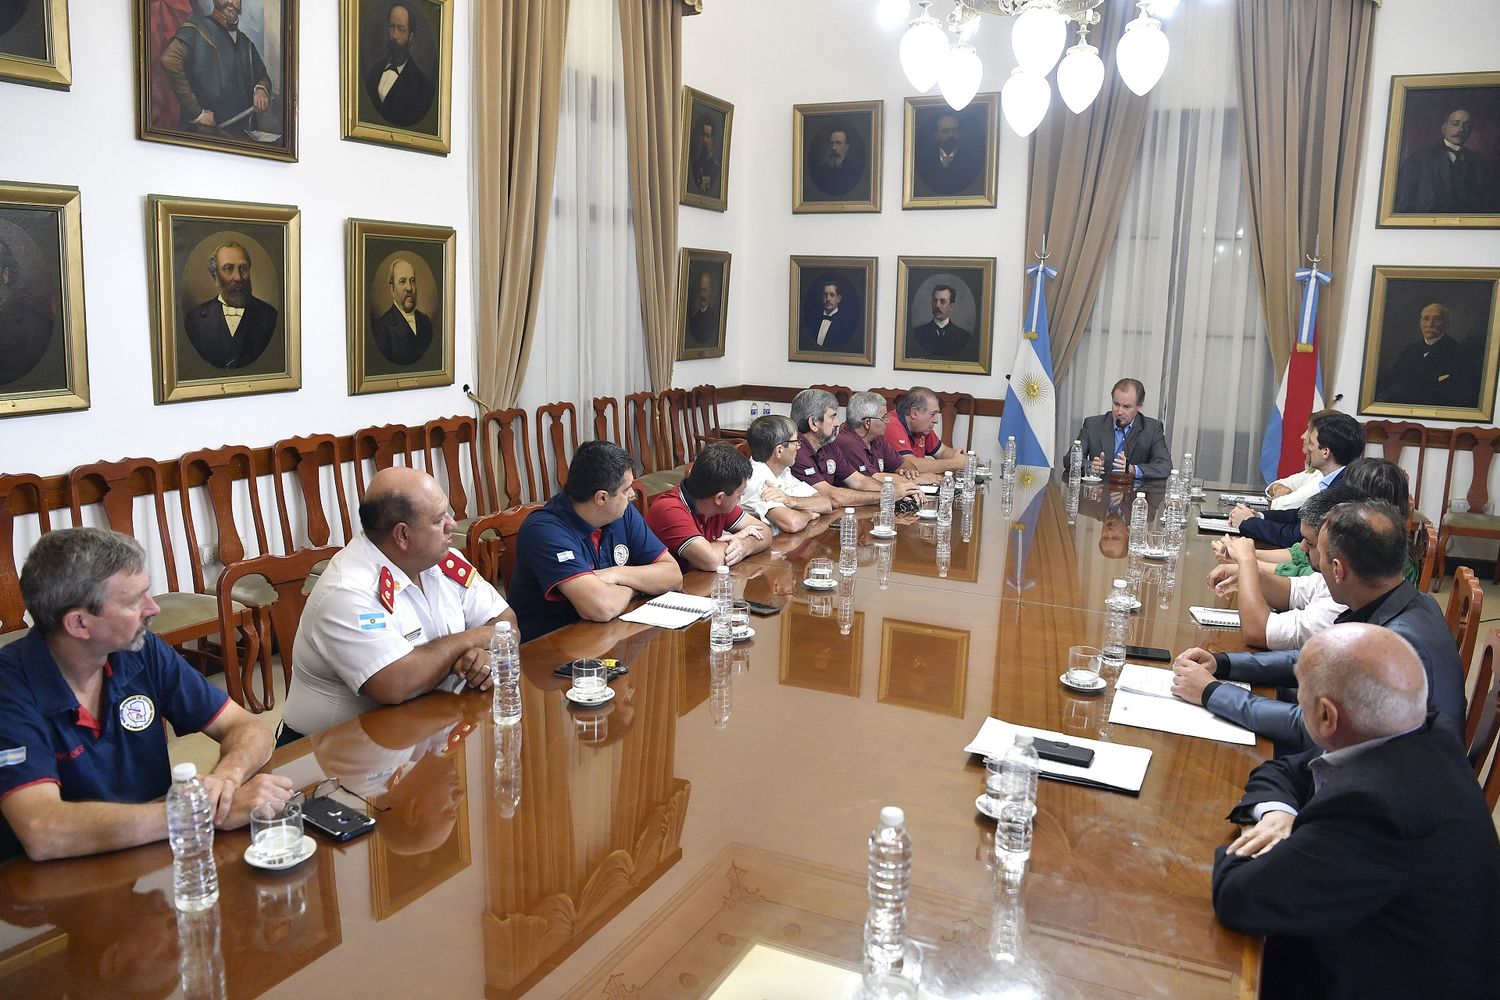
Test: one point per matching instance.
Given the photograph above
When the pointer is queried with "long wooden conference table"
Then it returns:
(704, 833)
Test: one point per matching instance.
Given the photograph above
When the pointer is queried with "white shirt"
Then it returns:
(410, 317)
(760, 476)
(823, 326)
(1312, 609)
(388, 80)
(346, 636)
(232, 316)
(1302, 484)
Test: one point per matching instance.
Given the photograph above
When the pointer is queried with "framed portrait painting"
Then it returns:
(706, 125)
(34, 45)
(225, 298)
(43, 353)
(400, 309)
(836, 157)
(943, 310)
(1441, 167)
(832, 315)
(949, 156)
(1433, 343)
(218, 74)
(397, 72)
(702, 303)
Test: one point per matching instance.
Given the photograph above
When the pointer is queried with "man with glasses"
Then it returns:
(700, 522)
(588, 552)
(860, 457)
(773, 494)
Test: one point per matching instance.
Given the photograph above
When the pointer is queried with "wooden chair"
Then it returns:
(1479, 705)
(557, 426)
(705, 403)
(1465, 609)
(1473, 523)
(642, 432)
(1425, 545)
(447, 437)
(307, 458)
(679, 443)
(953, 406)
(1393, 436)
(382, 446)
(840, 392)
(607, 426)
(891, 396)
(1482, 728)
(491, 545)
(276, 623)
(15, 490)
(506, 438)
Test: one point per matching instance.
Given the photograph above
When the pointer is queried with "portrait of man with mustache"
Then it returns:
(401, 92)
(233, 329)
(403, 332)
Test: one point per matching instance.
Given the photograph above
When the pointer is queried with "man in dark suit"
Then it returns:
(833, 328)
(1333, 440)
(947, 165)
(233, 329)
(402, 93)
(941, 338)
(1362, 549)
(403, 332)
(1125, 440)
(836, 173)
(704, 164)
(1434, 370)
(703, 317)
(1447, 178)
(1370, 862)
(25, 332)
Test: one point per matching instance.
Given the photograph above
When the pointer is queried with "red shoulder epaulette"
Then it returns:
(386, 590)
(456, 568)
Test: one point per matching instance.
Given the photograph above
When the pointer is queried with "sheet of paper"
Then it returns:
(671, 610)
(1215, 617)
(1216, 524)
(1144, 699)
(1114, 765)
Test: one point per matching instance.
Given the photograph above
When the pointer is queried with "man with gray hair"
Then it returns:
(83, 752)
(912, 433)
(815, 414)
(860, 458)
(233, 329)
(773, 494)
(403, 332)
(1370, 862)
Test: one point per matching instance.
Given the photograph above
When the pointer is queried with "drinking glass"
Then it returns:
(1083, 666)
(739, 617)
(276, 830)
(820, 572)
(588, 680)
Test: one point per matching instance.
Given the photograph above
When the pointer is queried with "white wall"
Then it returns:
(86, 138)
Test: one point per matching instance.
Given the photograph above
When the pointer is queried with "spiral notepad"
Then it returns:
(671, 610)
(1215, 617)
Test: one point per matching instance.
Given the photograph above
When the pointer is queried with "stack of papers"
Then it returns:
(1206, 523)
(671, 610)
(1143, 698)
(1215, 617)
(1117, 767)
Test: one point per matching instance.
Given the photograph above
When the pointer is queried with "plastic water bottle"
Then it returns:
(971, 466)
(1018, 772)
(846, 604)
(720, 627)
(1116, 628)
(1119, 598)
(945, 500)
(889, 885)
(887, 521)
(1187, 473)
(507, 769)
(848, 543)
(190, 830)
(720, 687)
(765, 408)
(1075, 466)
(754, 410)
(200, 960)
(505, 675)
(1140, 520)
(944, 550)
(1008, 468)
(883, 564)
(1176, 519)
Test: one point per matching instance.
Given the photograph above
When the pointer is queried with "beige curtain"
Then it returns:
(651, 35)
(1080, 170)
(518, 61)
(1304, 83)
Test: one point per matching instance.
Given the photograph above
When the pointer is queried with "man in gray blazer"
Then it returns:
(1124, 439)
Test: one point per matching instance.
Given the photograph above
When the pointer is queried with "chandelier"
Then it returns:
(1037, 38)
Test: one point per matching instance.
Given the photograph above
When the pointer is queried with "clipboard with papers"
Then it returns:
(1115, 767)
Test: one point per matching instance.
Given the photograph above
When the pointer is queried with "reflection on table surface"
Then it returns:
(721, 801)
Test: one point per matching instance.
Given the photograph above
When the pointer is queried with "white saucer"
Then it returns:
(745, 636)
(885, 532)
(983, 805)
(1099, 684)
(1157, 554)
(1091, 479)
(304, 851)
(927, 513)
(609, 693)
(815, 585)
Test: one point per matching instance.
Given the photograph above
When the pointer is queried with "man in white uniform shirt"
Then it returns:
(396, 614)
(773, 494)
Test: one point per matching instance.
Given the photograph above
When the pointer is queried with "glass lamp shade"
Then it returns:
(1025, 99)
(1142, 54)
(923, 48)
(1079, 77)
(893, 13)
(960, 76)
(1038, 36)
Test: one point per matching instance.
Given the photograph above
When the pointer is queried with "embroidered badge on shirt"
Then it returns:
(137, 712)
(565, 556)
(622, 554)
(372, 622)
(456, 568)
(810, 471)
(830, 465)
(386, 589)
(12, 757)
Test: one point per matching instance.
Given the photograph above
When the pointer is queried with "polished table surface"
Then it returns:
(720, 802)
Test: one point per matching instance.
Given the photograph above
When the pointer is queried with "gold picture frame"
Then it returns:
(931, 179)
(962, 345)
(848, 341)
(705, 158)
(389, 351)
(41, 273)
(837, 180)
(34, 45)
(1405, 376)
(1424, 141)
(416, 110)
(194, 354)
(815, 655)
(912, 654)
(702, 309)
(262, 123)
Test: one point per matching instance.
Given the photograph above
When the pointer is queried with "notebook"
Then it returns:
(1143, 698)
(671, 610)
(1248, 499)
(1220, 524)
(1215, 617)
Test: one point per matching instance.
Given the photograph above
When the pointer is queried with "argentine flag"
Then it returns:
(1030, 414)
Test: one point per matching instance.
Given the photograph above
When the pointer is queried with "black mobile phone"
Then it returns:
(1063, 753)
(1149, 653)
(335, 820)
(613, 669)
(757, 608)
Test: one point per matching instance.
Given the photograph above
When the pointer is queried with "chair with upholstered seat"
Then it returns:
(954, 405)
(1465, 609)
(446, 441)
(509, 470)
(383, 447)
(557, 436)
(15, 492)
(305, 461)
(1425, 544)
(840, 392)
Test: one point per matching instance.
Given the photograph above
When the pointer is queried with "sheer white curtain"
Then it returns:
(589, 337)
(1178, 307)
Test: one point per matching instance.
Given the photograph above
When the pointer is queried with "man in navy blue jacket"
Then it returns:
(1334, 440)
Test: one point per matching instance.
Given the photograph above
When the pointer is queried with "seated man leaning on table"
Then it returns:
(859, 457)
(1362, 549)
(1124, 440)
(911, 431)
(1334, 440)
(815, 414)
(773, 494)
(83, 750)
(1288, 492)
(396, 614)
(700, 520)
(588, 552)
(1369, 862)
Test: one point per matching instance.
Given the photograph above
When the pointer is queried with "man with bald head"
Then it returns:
(396, 614)
(1369, 863)
(1434, 369)
(403, 332)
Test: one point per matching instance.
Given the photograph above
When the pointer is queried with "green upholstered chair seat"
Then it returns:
(185, 610)
(1472, 522)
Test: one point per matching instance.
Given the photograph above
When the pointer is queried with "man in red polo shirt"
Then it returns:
(700, 522)
(912, 433)
(859, 456)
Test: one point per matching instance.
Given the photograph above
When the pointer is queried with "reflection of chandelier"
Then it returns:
(1037, 38)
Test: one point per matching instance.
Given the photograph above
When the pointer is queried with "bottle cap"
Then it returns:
(849, 510)
(1174, 472)
(1120, 583)
(502, 627)
(721, 569)
(892, 816)
(184, 772)
(887, 478)
(1023, 739)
